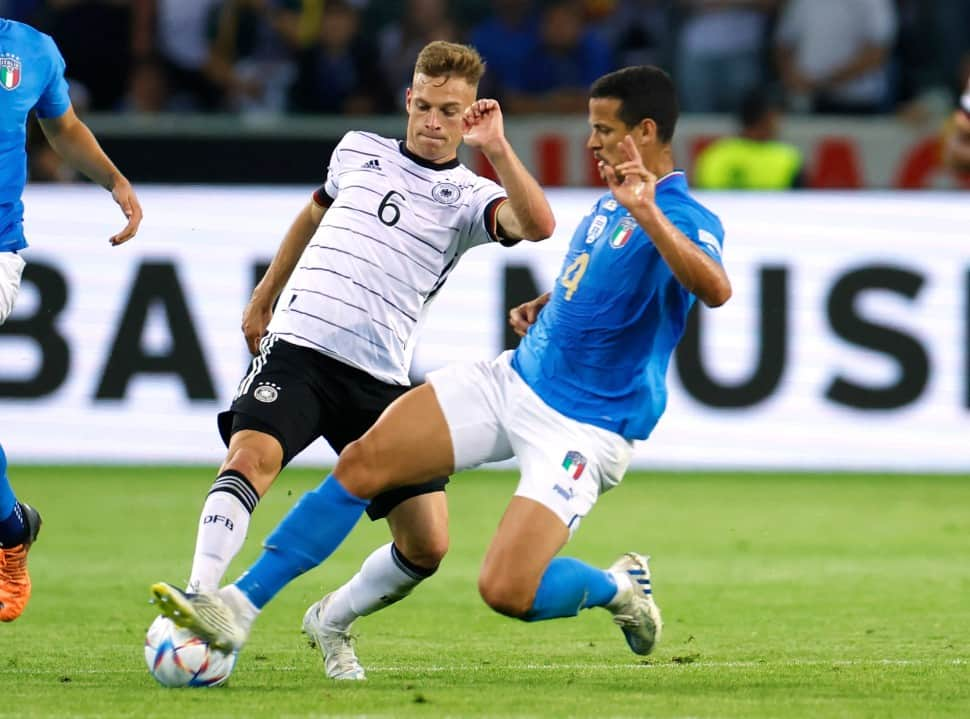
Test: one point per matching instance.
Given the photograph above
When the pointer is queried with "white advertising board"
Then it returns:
(846, 344)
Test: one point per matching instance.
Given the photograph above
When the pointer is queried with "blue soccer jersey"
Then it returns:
(599, 351)
(31, 77)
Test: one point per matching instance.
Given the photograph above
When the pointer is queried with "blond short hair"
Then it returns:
(449, 59)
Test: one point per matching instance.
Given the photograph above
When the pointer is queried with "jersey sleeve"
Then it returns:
(710, 242)
(327, 193)
(485, 200)
(54, 100)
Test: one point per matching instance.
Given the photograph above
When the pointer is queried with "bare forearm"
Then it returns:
(694, 269)
(80, 149)
(287, 256)
(526, 198)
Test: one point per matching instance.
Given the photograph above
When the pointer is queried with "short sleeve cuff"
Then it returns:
(322, 197)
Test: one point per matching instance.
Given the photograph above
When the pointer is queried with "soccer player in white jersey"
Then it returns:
(587, 379)
(351, 281)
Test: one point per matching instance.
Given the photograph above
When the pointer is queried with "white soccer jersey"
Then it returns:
(395, 228)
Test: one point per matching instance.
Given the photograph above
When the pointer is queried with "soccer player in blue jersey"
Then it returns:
(32, 78)
(587, 379)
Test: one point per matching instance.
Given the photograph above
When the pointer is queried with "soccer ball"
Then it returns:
(178, 658)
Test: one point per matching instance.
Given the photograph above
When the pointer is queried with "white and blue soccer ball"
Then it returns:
(178, 658)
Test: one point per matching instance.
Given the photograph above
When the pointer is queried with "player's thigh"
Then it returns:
(408, 444)
(277, 398)
(452, 422)
(564, 465)
(11, 270)
(351, 403)
(529, 535)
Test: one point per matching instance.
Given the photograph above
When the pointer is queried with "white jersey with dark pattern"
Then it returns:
(395, 227)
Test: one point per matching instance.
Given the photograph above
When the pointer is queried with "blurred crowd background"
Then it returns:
(859, 57)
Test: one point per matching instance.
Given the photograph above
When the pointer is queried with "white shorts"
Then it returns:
(11, 269)
(493, 414)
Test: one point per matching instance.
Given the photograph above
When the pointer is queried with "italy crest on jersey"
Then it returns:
(9, 71)
(624, 230)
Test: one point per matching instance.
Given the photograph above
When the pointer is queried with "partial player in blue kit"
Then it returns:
(32, 79)
(587, 379)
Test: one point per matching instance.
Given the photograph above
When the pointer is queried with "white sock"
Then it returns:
(245, 611)
(382, 580)
(222, 531)
(624, 590)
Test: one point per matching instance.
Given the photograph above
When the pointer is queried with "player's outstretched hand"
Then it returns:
(255, 320)
(631, 183)
(127, 200)
(482, 125)
(521, 318)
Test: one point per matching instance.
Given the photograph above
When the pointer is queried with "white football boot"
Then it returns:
(339, 658)
(221, 618)
(634, 610)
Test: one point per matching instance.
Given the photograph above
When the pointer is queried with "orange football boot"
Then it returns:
(14, 580)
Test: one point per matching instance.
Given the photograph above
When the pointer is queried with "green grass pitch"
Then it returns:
(798, 595)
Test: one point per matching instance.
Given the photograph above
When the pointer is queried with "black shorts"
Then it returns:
(297, 394)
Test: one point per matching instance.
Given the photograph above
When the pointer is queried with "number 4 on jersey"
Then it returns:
(573, 274)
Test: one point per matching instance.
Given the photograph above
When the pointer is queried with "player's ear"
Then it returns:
(645, 132)
(407, 99)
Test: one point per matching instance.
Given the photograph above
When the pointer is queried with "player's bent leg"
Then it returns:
(529, 535)
(409, 443)
(257, 455)
(252, 463)
(419, 526)
(521, 578)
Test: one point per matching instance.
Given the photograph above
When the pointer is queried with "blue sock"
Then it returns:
(569, 585)
(13, 531)
(308, 534)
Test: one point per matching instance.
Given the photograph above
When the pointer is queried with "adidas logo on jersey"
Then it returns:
(372, 165)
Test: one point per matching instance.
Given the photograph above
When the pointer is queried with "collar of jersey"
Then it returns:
(677, 177)
(418, 160)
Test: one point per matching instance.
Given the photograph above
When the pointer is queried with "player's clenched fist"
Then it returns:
(522, 317)
(481, 123)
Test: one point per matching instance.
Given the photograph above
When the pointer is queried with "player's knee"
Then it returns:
(426, 551)
(360, 470)
(504, 597)
(257, 465)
